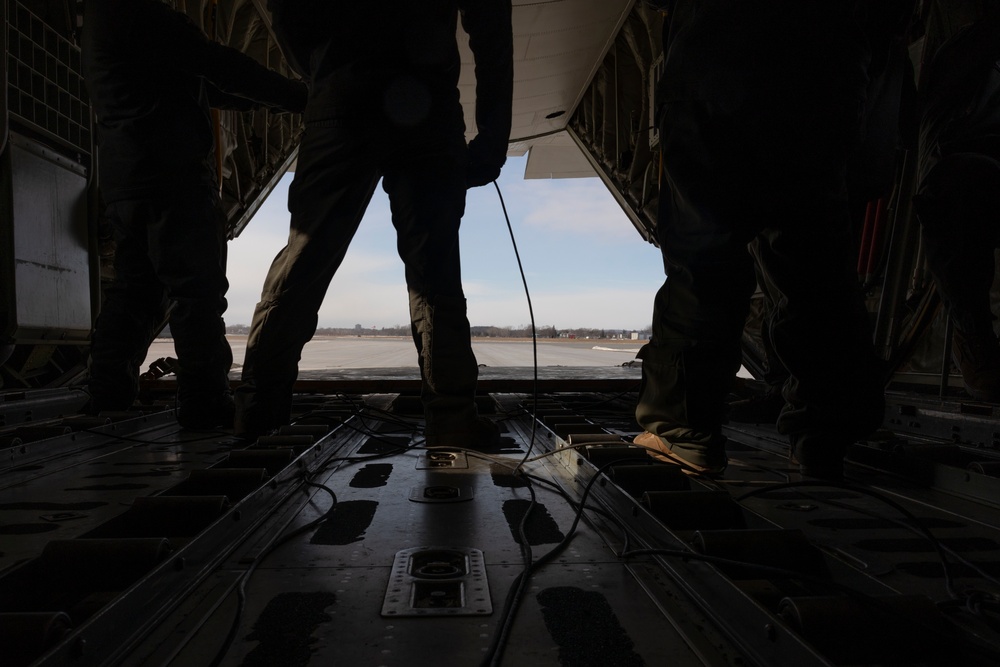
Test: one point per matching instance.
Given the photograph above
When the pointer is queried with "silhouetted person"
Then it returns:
(888, 125)
(384, 103)
(760, 110)
(958, 199)
(152, 75)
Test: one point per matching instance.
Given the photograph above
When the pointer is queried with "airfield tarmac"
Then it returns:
(334, 352)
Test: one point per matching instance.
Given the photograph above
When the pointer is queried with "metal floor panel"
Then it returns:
(317, 600)
(368, 549)
(65, 497)
(348, 629)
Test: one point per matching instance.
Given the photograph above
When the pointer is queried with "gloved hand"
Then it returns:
(484, 164)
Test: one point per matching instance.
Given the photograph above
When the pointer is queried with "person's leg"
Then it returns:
(782, 104)
(957, 208)
(822, 334)
(766, 407)
(776, 373)
(698, 314)
(134, 305)
(334, 181)
(426, 188)
(187, 247)
(820, 329)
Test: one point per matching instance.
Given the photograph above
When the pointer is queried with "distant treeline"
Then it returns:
(547, 331)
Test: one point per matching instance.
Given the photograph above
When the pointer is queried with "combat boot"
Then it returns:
(693, 458)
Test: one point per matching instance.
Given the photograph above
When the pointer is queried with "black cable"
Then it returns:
(613, 398)
(970, 599)
(978, 606)
(923, 530)
(984, 648)
(359, 411)
(988, 651)
(396, 450)
(495, 650)
(375, 435)
(770, 570)
(520, 583)
(512, 603)
(387, 417)
(534, 333)
(245, 578)
(954, 554)
(625, 536)
(513, 414)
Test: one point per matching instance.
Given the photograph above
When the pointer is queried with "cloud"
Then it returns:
(586, 265)
(578, 207)
(368, 287)
(602, 308)
(359, 292)
(378, 305)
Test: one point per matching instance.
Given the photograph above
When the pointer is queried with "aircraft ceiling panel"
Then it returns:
(557, 156)
(521, 121)
(558, 45)
(579, 39)
(559, 80)
(535, 110)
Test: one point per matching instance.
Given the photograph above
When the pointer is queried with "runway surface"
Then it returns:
(385, 352)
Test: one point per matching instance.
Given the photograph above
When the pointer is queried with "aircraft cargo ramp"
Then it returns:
(128, 541)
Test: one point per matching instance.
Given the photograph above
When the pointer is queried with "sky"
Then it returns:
(585, 264)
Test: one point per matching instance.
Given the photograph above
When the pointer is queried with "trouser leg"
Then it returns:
(334, 182)
(744, 152)
(187, 246)
(820, 328)
(134, 305)
(426, 189)
(822, 333)
(448, 368)
(687, 373)
(699, 312)
(776, 374)
(957, 209)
